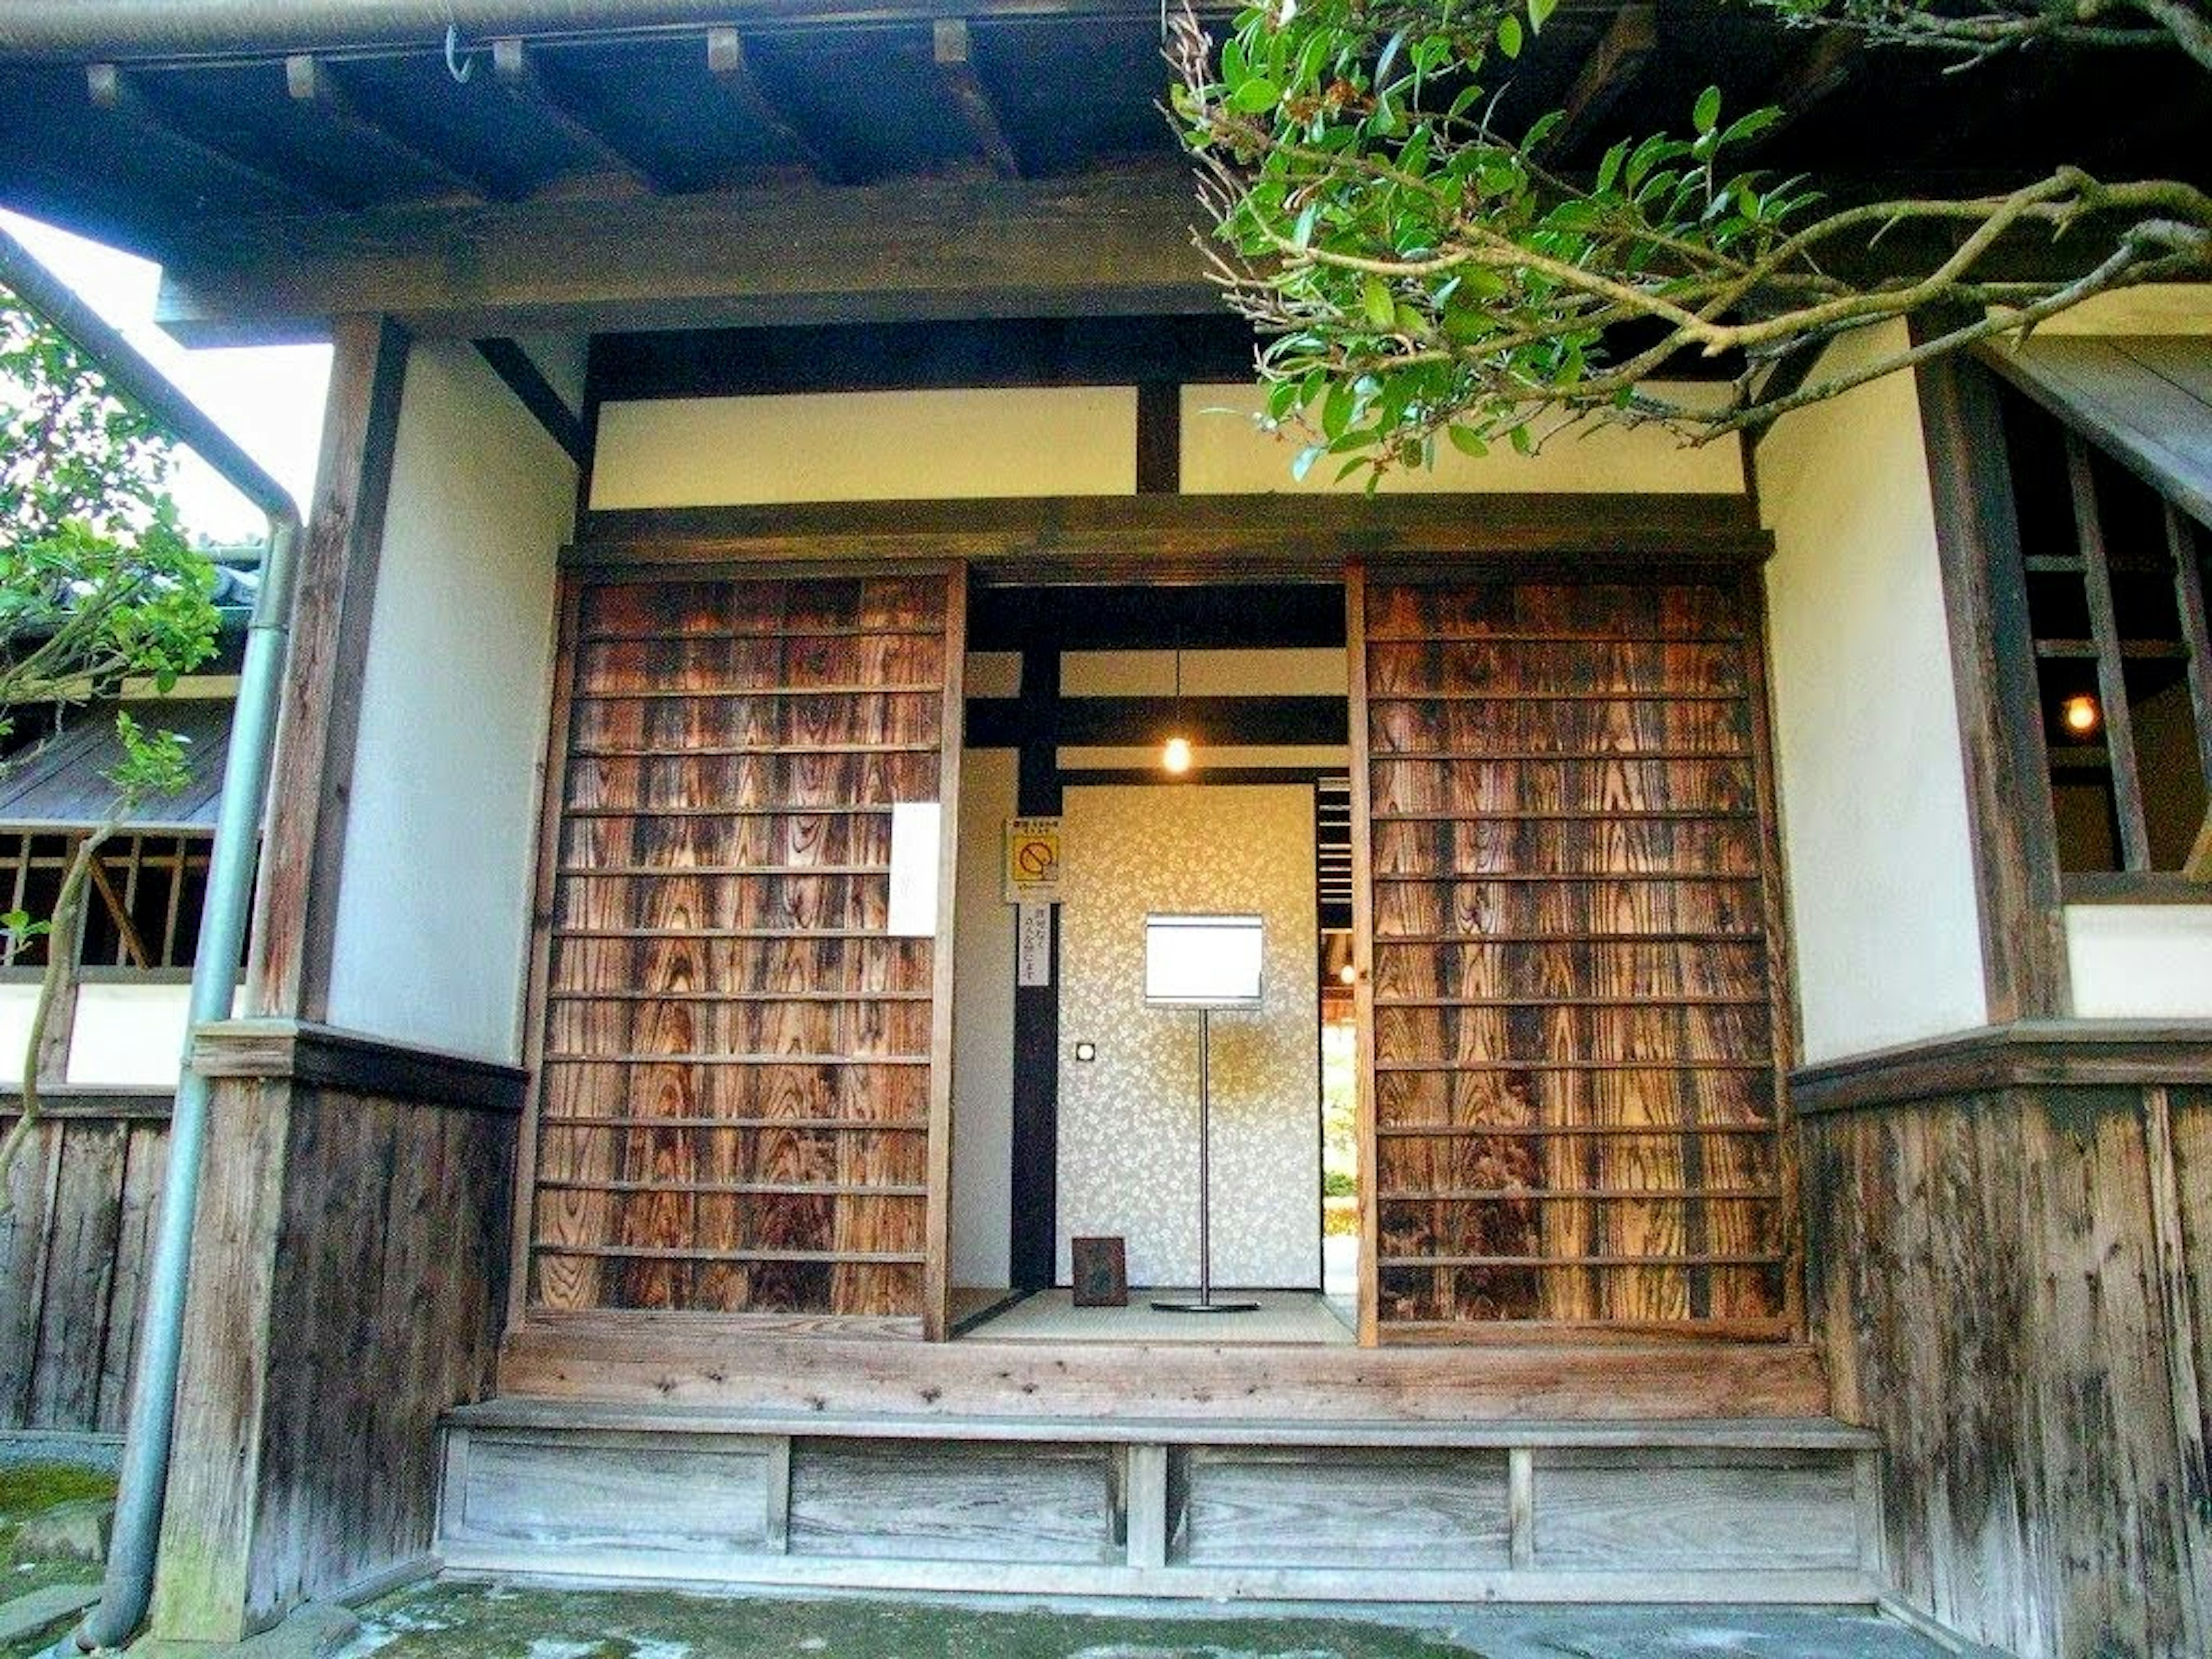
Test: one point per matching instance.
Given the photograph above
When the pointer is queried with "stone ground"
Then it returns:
(458, 1620)
(28, 1490)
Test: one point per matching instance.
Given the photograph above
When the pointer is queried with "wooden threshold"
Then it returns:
(761, 1365)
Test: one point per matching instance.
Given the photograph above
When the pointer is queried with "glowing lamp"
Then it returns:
(1175, 757)
(2081, 715)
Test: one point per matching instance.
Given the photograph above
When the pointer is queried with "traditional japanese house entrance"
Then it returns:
(1577, 1265)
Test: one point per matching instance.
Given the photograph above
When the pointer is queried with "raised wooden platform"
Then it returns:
(700, 1361)
(1228, 1505)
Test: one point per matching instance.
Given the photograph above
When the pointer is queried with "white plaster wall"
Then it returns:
(16, 1003)
(1128, 1120)
(982, 1028)
(1886, 925)
(866, 446)
(1224, 453)
(129, 1035)
(2141, 961)
(433, 920)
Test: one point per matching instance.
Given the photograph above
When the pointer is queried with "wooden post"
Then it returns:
(297, 915)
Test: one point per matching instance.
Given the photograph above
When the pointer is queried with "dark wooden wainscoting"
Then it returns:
(1563, 810)
(74, 1236)
(743, 1075)
(2010, 1240)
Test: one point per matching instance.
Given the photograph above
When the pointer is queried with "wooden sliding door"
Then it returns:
(1568, 918)
(742, 1072)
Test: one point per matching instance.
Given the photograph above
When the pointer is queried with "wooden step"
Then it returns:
(1237, 1507)
(700, 1360)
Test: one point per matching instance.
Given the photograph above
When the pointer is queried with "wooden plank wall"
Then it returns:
(347, 1282)
(2015, 1289)
(736, 1068)
(1575, 1025)
(74, 1237)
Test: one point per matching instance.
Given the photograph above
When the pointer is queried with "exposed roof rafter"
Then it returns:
(1608, 73)
(314, 86)
(114, 89)
(513, 68)
(733, 73)
(956, 64)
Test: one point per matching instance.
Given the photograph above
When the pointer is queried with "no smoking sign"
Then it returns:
(1032, 872)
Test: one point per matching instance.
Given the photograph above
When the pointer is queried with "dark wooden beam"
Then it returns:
(1033, 1199)
(1159, 438)
(733, 73)
(955, 67)
(314, 86)
(2036, 1054)
(1188, 537)
(1104, 245)
(1821, 70)
(295, 915)
(518, 77)
(2015, 839)
(1135, 722)
(112, 89)
(1609, 70)
(535, 393)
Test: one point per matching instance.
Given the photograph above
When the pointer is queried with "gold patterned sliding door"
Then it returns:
(1567, 917)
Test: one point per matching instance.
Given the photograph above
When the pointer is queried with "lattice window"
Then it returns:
(142, 910)
(2115, 580)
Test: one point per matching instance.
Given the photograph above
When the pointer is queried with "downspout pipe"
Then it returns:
(129, 1588)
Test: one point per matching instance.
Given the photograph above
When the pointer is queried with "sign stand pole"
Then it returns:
(1205, 1303)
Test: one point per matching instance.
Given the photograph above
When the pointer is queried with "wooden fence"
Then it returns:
(75, 1235)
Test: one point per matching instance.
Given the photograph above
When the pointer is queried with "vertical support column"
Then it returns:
(312, 778)
(1035, 1176)
(1521, 1508)
(777, 1528)
(1147, 1506)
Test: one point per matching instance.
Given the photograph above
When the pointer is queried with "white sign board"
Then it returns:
(1033, 944)
(1209, 962)
(915, 826)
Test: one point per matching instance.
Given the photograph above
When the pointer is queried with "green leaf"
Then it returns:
(1523, 439)
(1468, 441)
(1303, 464)
(1302, 231)
(1707, 114)
(1538, 12)
(1508, 36)
(1609, 168)
(1255, 97)
(1375, 294)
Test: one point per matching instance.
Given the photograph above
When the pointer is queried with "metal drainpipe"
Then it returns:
(129, 1582)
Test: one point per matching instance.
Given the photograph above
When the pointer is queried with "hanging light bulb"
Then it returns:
(2081, 715)
(1175, 757)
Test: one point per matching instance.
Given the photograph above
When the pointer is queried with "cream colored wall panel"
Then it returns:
(1225, 455)
(867, 446)
(1319, 671)
(2160, 308)
(17, 1004)
(1885, 923)
(433, 916)
(982, 1027)
(129, 1035)
(2141, 961)
(1128, 1120)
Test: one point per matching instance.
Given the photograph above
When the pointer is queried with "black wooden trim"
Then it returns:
(1222, 722)
(1163, 537)
(2025, 1053)
(528, 383)
(969, 354)
(1159, 438)
(1999, 708)
(1034, 1224)
(1076, 777)
(287, 1050)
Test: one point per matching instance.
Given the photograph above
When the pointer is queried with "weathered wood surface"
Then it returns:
(1575, 1110)
(348, 1276)
(990, 1502)
(1148, 536)
(742, 1074)
(1315, 1509)
(80, 1200)
(624, 1359)
(2001, 1299)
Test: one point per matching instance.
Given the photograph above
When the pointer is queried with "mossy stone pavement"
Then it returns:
(46, 1579)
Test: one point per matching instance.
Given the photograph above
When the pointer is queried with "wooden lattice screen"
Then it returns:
(742, 1072)
(1569, 920)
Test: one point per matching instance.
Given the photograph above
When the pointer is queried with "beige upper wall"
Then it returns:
(1225, 453)
(2159, 308)
(1885, 929)
(866, 446)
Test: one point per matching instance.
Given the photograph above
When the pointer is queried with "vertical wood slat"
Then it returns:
(1363, 955)
(2196, 628)
(2111, 670)
(937, 1271)
(1567, 921)
(743, 1101)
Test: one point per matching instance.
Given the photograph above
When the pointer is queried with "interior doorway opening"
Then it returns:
(1077, 1121)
